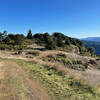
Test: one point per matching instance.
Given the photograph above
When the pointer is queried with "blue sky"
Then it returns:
(76, 18)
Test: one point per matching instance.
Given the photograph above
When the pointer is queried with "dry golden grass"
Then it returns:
(58, 66)
(61, 68)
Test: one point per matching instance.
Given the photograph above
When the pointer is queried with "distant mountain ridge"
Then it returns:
(94, 44)
(95, 39)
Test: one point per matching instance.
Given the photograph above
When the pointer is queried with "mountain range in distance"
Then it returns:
(95, 39)
(92, 42)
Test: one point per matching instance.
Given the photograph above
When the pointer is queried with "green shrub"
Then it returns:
(20, 52)
(51, 58)
(5, 47)
(78, 67)
(61, 55)
(29, 57)
(77, 62)
(61, 58)
(44, 58)
(65, 48)
(34, 53)
(92, 62)
(65, 61)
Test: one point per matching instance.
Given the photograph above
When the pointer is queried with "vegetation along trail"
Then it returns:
(16, 84)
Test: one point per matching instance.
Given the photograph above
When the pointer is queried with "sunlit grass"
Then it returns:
(59, 86)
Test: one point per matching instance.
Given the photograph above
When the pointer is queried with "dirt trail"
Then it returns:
(2, 76)
(1, 71)
(16, 84)
(36, 88)
(91, 76)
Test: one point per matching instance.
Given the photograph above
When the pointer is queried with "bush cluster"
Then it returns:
(67, 62)
(55, 41)
(34, 53)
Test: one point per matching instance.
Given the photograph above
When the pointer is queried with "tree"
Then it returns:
(80, 43)
(19, 39)
(59, 35)
(60, 43)
(8, 41)
(38, 35)
(1, 36)
(91, 50)
(46, 36)
(29, 35)
(11, 36)
(67, 42)
(50, 44)
(39, 38)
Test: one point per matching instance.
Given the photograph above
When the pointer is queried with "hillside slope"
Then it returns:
(35, 78)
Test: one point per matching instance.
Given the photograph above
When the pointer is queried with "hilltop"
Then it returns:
(56, 41)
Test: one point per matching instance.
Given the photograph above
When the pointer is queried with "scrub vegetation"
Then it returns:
(60, 86)
(47, 67)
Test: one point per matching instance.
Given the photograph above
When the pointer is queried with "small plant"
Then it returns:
(34, 53)
(15, 53)
(66, 61)
(44, 58)
(29, 57)
(5, 47)
(51, 58)
(61, 55)
(20, 52)
(79, 67)
(77, 62)
(98, 59)
(92, 62)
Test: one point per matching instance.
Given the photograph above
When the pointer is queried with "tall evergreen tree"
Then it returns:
(29, 35)
(91, 50)
(1, 36)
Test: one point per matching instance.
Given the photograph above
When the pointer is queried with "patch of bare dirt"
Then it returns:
(35, 87)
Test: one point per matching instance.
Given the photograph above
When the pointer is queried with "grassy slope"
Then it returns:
(12, 86)
(59, 86)
(15, 83)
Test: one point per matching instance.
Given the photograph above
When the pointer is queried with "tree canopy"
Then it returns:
(55, 41)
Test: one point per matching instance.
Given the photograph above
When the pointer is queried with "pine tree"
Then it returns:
(29, 35)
